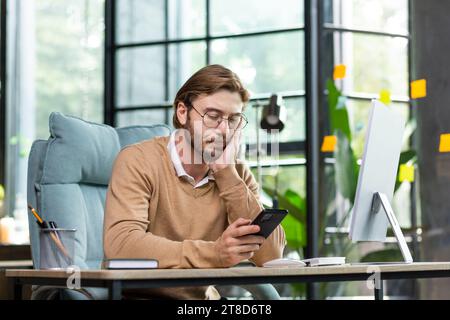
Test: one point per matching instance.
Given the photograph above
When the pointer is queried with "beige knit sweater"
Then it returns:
(151, 213)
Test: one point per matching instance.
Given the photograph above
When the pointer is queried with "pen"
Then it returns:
(54, 226)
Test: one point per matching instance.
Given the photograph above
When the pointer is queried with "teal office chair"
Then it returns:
(68, 176)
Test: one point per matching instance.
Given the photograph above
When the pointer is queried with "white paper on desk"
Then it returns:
(284, 263)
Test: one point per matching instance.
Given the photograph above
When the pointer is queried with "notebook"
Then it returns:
(295, 263)
(131, 264)
(324, 261)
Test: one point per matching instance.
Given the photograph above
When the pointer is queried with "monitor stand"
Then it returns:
(381, 200)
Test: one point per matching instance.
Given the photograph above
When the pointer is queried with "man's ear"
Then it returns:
(182, 113)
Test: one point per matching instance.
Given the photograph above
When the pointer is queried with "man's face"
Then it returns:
(209, 142)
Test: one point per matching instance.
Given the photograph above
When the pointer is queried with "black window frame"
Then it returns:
(315, 96)
(111, 47)
(328, 29)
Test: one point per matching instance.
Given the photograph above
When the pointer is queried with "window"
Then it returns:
(151, 58)
(2, 100)
(371, 38)
(55, 63)
(267, 50)
(153, 46)
(150, 66)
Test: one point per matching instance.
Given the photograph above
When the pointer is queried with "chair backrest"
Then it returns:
(68, 176)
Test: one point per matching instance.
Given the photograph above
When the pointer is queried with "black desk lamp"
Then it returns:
(273, 118)
(274, 114)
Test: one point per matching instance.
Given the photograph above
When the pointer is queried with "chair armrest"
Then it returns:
(263, 291)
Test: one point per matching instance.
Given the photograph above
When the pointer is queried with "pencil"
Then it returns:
(38, 218)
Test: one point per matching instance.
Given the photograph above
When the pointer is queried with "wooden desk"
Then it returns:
(4, 290)
(116, 280)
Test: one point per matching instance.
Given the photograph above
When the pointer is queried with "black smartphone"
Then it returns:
(268, 220)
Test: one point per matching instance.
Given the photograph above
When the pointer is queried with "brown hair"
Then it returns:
(208, 80)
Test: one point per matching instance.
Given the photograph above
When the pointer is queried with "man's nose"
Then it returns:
(223, 127)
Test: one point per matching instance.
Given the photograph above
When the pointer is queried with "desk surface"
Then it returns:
(232, 272)
(16, 264)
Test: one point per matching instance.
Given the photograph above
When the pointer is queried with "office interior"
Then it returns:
(120, 63)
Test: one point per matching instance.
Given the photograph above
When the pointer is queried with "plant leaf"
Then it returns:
(298, 289)
(346, 168)
(337, 111)
(294, 224)
(295, 210)
(298, 201)
(295, 232)
(382, 256)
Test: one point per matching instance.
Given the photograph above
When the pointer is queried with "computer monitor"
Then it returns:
(372, 211)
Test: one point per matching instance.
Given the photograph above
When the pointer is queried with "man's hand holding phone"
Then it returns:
(238, 242)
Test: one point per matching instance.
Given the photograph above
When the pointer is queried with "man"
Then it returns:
(186, 200)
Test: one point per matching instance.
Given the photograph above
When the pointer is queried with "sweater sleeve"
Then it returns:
(126, 221)
(241, 198)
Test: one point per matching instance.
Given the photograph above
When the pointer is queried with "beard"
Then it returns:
(206, 145)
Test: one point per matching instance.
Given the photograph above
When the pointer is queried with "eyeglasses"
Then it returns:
(212, 119)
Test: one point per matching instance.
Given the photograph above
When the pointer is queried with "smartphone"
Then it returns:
(268, 220)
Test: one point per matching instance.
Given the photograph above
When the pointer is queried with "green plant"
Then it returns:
(2, 192)
(345, 177)
(294, 225)
(346, 166)
(346, 169)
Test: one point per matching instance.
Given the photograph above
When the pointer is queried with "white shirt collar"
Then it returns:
(179, 167)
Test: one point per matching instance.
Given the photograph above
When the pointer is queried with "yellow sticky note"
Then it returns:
(329, 143)
(418, 89)
(444, 144)
(385, 96)
(339, 71)
(406, 173)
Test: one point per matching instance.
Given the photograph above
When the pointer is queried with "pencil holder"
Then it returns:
(56, 248)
